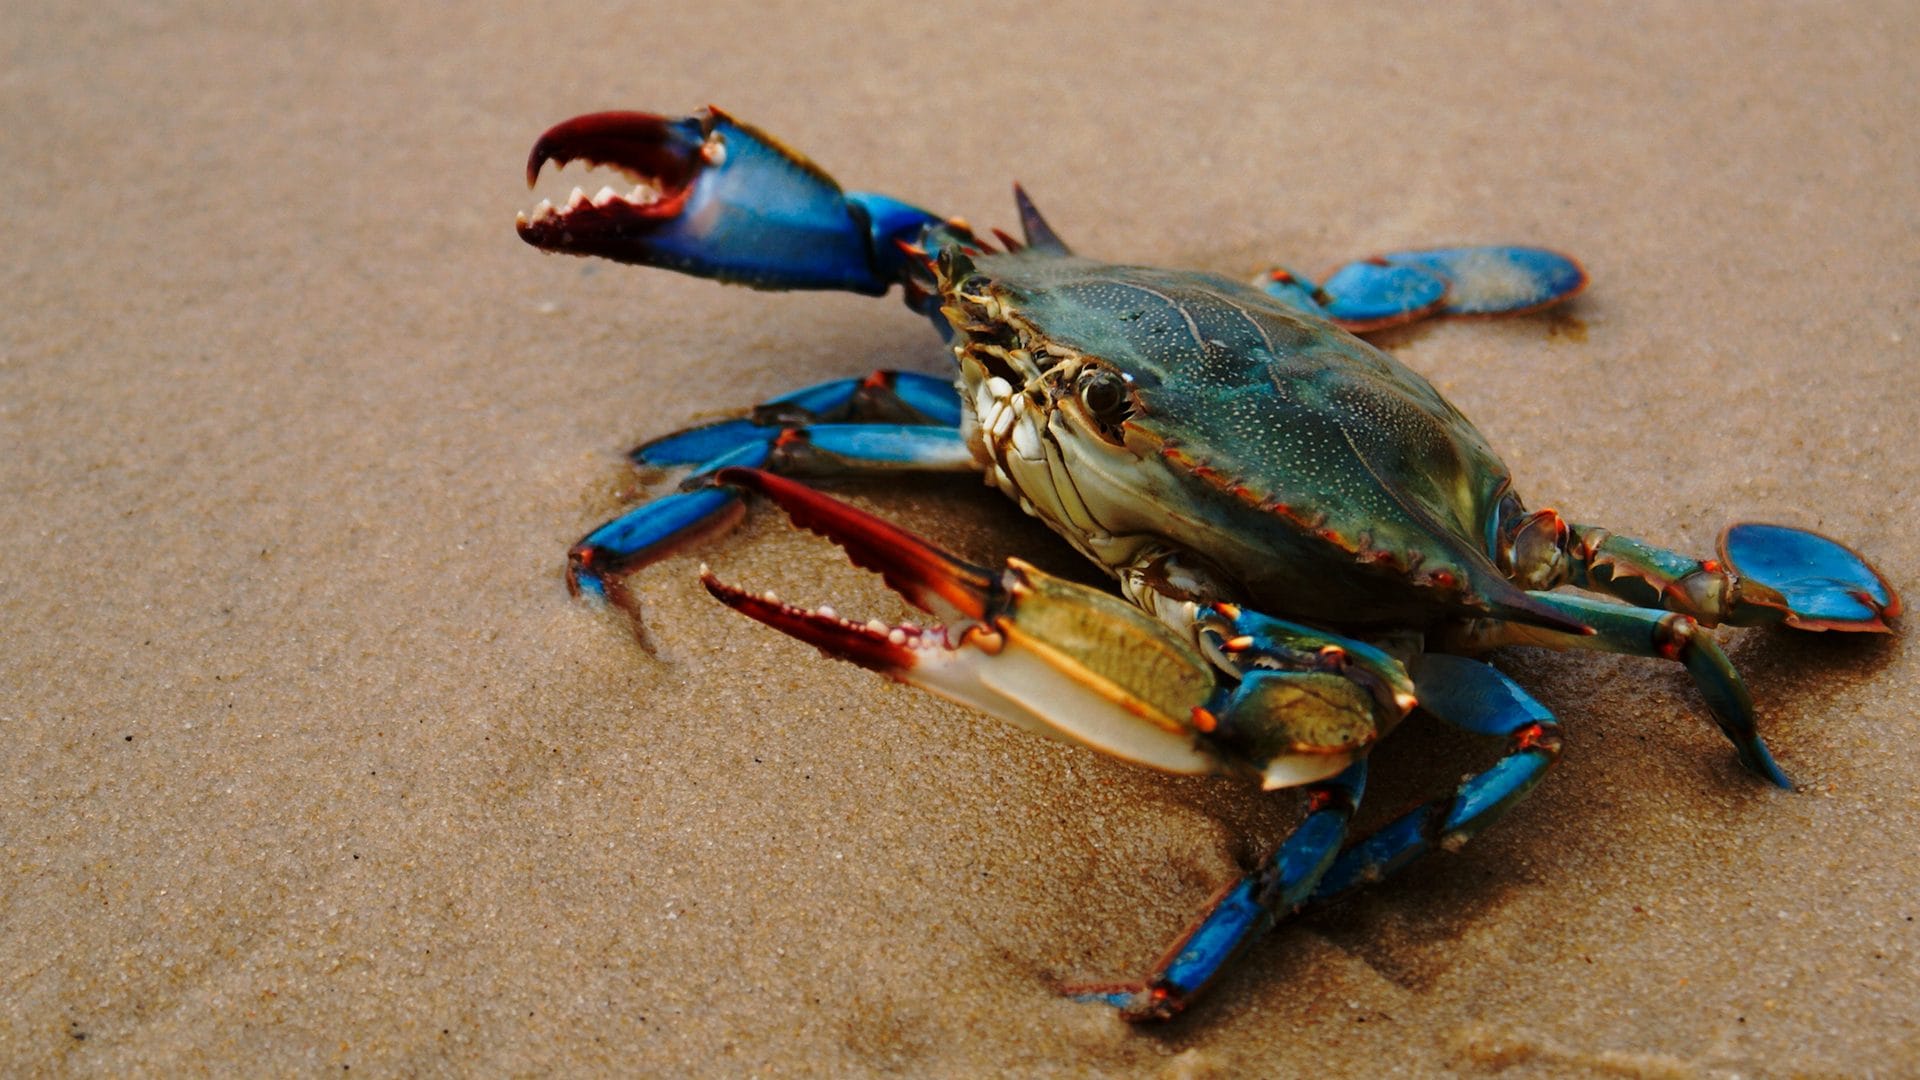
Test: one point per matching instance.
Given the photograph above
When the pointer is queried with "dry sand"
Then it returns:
(311, 766)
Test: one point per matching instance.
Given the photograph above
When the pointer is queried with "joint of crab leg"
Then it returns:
(1533, 548)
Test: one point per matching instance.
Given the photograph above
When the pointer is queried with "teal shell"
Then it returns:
(1328, 479)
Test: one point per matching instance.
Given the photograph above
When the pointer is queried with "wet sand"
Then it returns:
(312, 767)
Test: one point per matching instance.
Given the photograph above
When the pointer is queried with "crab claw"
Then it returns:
(1047, 655)
(1079, 664)
(1806, 580)
(719, 199)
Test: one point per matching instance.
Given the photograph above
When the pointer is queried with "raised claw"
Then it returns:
(1811, 582)
(716, 198)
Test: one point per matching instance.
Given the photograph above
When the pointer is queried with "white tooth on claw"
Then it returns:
(545, 209)
(605, 196)
(574, 200)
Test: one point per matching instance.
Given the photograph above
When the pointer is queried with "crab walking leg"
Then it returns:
(1477, 698)
(1765, 574)
(1244, 911)
(894, 397)
(706, 505)
(1405, 286)
(1633, 631)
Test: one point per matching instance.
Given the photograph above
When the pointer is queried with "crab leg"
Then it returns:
(720, 199)
(1477, 698)
(1765, 575)
(1311, 866)
(706, 505)
(1405, 286)
(893, 397)
(1245, 910)
(810, 431)
(1634, 631)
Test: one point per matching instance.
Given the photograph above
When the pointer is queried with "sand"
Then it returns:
(311, 766)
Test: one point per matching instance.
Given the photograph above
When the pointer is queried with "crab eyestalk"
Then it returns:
(1075, 663)
(717, 198)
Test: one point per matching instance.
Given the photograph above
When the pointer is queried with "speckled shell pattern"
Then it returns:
(1322, 477)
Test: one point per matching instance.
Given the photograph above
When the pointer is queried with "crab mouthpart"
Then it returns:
(660, 158)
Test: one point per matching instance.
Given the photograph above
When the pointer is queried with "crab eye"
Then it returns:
(1104, 393)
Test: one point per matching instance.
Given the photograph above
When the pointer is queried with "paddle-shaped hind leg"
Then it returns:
(1405, 286)
(1477, 698)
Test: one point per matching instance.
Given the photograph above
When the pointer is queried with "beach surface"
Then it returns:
(311, 766)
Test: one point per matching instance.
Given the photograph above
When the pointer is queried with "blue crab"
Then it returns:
(1309, 541)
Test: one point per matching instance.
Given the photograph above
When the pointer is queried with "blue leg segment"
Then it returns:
(1477, 698)
(648, 533)
(704, 506)
(1405, 286)
(1245, 910)
(906, 397)
(897, 397)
